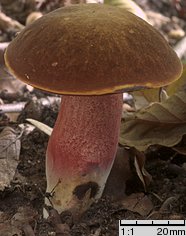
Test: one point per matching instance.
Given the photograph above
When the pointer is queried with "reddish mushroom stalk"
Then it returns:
(82, 148)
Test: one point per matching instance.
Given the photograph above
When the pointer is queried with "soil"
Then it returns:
(22, 203)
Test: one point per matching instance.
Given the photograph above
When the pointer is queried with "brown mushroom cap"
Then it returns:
(92, 49)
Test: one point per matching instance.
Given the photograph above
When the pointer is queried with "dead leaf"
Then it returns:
(24, 215)
(8, 230)
(159, 124)
(9, 155)
(129, 6)
(138, 202)
(181, 147)
(167, 204)
(139, 163)
(180, 150)
(144, 97)
(120, 173)
(45, 128)
(127, 111)
(28, 231)
(178, 85)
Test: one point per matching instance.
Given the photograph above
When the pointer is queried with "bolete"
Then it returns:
(89, 54)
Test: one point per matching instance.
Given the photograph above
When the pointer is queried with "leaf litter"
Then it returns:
(10, 146)
(25, 191)
(158, 124)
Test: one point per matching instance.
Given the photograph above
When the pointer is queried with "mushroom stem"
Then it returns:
(81, 150)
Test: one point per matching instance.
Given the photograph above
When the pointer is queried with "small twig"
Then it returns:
(18, 107)
(8, 23)
(12, 107)
(44, 128)
(50, 194)
(157, 196)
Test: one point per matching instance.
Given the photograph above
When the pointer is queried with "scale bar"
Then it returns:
(152, 223)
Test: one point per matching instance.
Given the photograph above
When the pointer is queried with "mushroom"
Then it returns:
(90, 54)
